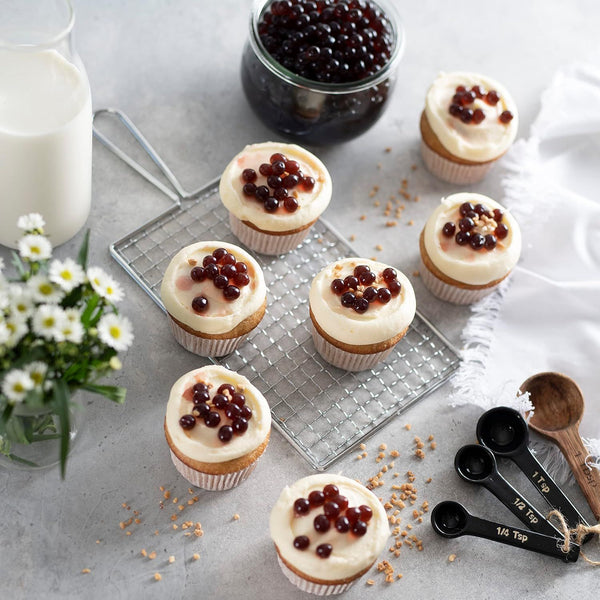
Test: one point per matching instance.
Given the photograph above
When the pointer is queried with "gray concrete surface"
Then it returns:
(173, 66)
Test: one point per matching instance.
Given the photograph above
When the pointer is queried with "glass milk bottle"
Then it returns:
(45, 120)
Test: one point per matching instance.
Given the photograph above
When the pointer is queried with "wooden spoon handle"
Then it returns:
(588, 477)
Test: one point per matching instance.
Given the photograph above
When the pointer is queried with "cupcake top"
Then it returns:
(329, 527)
(361, 301)
(212, 287)
(473, 116)
(473, 239)
(215, 415)
(276, 187)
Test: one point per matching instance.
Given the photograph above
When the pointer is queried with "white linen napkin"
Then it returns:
(547, 316)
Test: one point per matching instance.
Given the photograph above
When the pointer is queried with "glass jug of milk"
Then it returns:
(45, 120)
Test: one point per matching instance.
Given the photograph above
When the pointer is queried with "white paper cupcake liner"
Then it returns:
(210, 482)
(266, 243)
(349, 361)
(451, 293)
(453, 172)
(205, 346)
(319, 589)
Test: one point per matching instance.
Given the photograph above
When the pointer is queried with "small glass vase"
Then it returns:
(42, 427)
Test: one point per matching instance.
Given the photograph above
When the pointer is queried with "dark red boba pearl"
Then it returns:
(233, 411)
(271, 204)
(367, 278)
(262, 192)
(241, 279)
(384, 295)
(342, 524)
(331, 509)
(359, 269)
(198, 274)
(394, 287)
(331, 490)
(455, 109)
(370, 294)
(498, 214)
(249, 175)
(338, 287)
(226, 387)
(292, 166)
(249, 189)
(238, 399)
(274, 181)
(201, 409)
(212, 419)
(241, 267)
(348, 299)
(449, 229)
(477, 241)
(481, 210)
(505, 117)
(341, 501)
(231, 292)
(200, 304)
(321, 523)
(290, 204)
(492, 98)
(351, 282)
(466, 116)
(246, 412)
(208, 260)
(316, 498)
(465, 207)
(301, 506)
(220, 401)
(240, 425)
(478, 116)
(219, 253)
(359, 528)
(366, 512)
(389, 274)
(466, 224)
(211, 270)
(277, 157)
(462, 238)
(308, 183)
(291, 181)
(280, 193)
(220, 282)
(490, 241)
(301, 542)
(501, 231)
(199, 387)
(201, 396)
(225, 433)
(228, 271)
(353, 514)
(265, 169)
(361, 305)
(278, 167)
(476, 89)
(324, 550)
(228, 259)
(187, 421)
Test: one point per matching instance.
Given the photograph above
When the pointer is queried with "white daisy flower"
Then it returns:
(72, 331)
(48, 322)
(67, 274)
(21, 301)
(73, 315)
(113, 291)
(31, 222)
(4, 331)
(4, 299)
(35, 247)
(16, 384)
(104, 285)
(17, 326)
(37, 371)
(43, 290)
(115, 331)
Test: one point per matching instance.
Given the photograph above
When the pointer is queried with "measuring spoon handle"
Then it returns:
(520, 538)
(547, 487)
(587, 477)
(519, 506)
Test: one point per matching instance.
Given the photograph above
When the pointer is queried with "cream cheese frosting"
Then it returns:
(350, 554)
(311, 203)
(378, 324)
(178, 290)
(479, 143)
(462, 263)
(201, 442)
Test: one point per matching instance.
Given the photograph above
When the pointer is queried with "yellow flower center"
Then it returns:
(45, 289)
(18, 387)
(115, 332)
(49, 322)
(66, 275)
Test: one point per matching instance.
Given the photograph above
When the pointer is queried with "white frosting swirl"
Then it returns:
(378, 324)
(178, 289)
(311, 203)
(462, 263)
(201, 442)
(350, 554)
(479, 143)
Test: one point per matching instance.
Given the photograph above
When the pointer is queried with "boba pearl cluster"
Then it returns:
(336, 513)
(227, 409)
(358, 292)
(226, 273)
(478, 227)
(330, 41)
(282, 176)
(463, 99)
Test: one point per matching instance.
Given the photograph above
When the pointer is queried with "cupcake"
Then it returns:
(328, 530)
(359, 310)
(468, 123)
(217, 426)
(274, 193)
(469, 244)
(214, 294)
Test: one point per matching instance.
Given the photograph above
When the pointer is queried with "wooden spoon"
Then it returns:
(558, 403)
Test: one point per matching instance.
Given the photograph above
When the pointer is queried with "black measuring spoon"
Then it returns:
(477, 464)
(451, 519)
(505, 432)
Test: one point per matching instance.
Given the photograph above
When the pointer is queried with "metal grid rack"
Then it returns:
(323, 411)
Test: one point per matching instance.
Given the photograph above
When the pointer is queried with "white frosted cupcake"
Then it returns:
(359, 310)
(328, 530)
(469, 244)
(274, 193)
(217, 426)
(214, 294)
(468, 123)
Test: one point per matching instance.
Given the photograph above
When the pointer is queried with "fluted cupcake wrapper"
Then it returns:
(349, 361)
(451, 293)
(205, 346)
(207, 481)
(265, 243)
(450, 171)
(319, 589)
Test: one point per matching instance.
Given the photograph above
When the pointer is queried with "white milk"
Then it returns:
(45, 143)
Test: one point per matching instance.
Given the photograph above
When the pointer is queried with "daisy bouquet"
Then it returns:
(59, 332)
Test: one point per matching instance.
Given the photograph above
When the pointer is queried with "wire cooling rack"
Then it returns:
(321, 410)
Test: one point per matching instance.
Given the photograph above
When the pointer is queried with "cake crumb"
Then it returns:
(363, 446)
(86, 571)
(97, 541)
(128, 533)
(171, 559)
(352, 237)
(236, 517)
(157, 576)
(379, 247)
(362, 217)
(388, 149)
(408, 427)
(167, 494)
(429, 480)
(143, 552)
(370, 582)
(413, 167)
(391, 223)
(433, 445)
(195, 556)
(411, 223)
(416, 273)
(452, 558)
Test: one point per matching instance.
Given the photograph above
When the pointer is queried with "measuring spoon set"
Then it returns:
(503, 432)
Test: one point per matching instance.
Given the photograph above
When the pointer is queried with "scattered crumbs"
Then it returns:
(365, 454)
(379, 165)
(374, 258)
(433, 445)
(416, 273)
(128, 533)
(97, 541)
(236, 517)
(416, 198)
(171, 559)
(376, 203)
(320, 240)
(388, 149)
(413, 167)
(370, 582)
(383, 446)
(372, 193)
(167, 494)
(86, 571)
(395, 453)
(143, 552)
(157, 576)
(408, 427)
(359, 457)
(452, 558)
(391, 223)
(162, 488)
(363, 217)
(192, 262)
(175, 526)
(175, 500)
(152, 555)
(195, 556)
(156, 532)
(363, 446)
(429, 480)
(411, 223)
(379, 247)
(352, 237)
